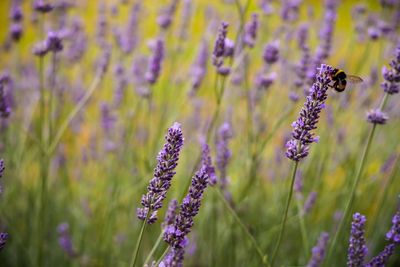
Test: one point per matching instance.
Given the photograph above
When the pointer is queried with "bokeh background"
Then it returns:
(105, 157)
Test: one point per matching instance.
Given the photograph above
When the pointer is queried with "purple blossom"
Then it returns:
(78, 41)
(357, 249)
(250, 33)
(376, 116)
(223, 152)
(121, 84)
(64, 239)
(207, 162)
(381, 259)
(271, 53)
(5, 108)
(2, 168)
(318, 252)
(102, 24)
(42, 7)
(174, 258)
(3, 240)
(290, 10)
(229, 48)
(16, 14)
(199, 69)
(394, 233)
(185, 19)
(219, 47)
(176, 235)
(310, 201)
(298, 146)
(54, 41)
(104, 59)
(163, 173)
(107, 119)
(164, 20)
(391, 83)
(155, 61)
(170, 215)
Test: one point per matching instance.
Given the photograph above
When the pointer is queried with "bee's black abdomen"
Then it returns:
(341, 75)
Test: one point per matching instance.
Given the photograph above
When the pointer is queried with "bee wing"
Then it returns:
(354, 79)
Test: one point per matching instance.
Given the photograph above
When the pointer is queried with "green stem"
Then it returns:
(349, 204)
(283, 223)
(154, 248)
(162, 256)
(139, 241)
(303, 229)
(82, 102)
(51, 95)
(263, 257)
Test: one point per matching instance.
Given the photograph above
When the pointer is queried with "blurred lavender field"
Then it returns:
(199, 133)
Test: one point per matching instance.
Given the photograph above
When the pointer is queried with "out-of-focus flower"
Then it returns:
(207, 162)
(219, 47)
(3, 240)
(155, 61)
(357, 249)
(391, 83)
(200, 67)
(163, 173)
(310, 201)
(376, 116)
(271, 53)
(42, 7)
(170, 215)
(250, 33)
(164, 20)
(5, 108)
(64, 239)
(318, 252)
(381, 259)
(394, 233)
(223, 153)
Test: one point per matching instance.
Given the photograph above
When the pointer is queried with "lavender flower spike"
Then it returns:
(357, 248)
(163, 173)
(298, 146)
(376, 116)
(250, 34)
(318, 252)
(170, 215)
(207, 162)
(394, 233)
(381, 259)
(219, 47)
(391, 84)
(3, 240)
(175, 235)
(155, 62)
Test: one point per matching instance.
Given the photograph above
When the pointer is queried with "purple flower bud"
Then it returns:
(154, 67)
(42, 7)
(394, 233)
(207, 162)
(64, 239)
(163, 174)
(250, 33)
(310, 201)
(376, 116)
(16, 13)
(219, 47)
(381, 259)
(318, 252)
(223, 70)
(16, 31)
(176, 235)
(298, 146)
(265, 81)
(290, 10)
(271, 53)
(54, 42)
(357, 249)
(3, 240)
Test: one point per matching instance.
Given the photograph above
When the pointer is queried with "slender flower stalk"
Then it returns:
(302, 137)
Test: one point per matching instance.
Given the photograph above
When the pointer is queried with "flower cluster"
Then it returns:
(394, 233)
(176, 235)
(391, 83)
(16, 17)
(5, 108)
(207, 162)
(222, 48)
(298, 146)
(376, 116)
(318, 252)
(250, 33)
(357, 249)
(154, 67)
(381, 258)
(271, 53)
(223, 153)
(163, 173)
(64, 239)
(53, 43)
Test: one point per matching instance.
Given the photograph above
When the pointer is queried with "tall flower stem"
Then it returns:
(357, 178)
(303, 229)
(139, 240)
(283, 223)
(154, 248)
(51, 95)
(263, 257)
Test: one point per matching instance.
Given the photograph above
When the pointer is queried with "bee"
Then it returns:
(340, 78)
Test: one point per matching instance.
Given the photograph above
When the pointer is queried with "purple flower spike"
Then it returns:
(382, 258)
(207, 162)
(54, 42)
(376, 116)
(391, 83)
(170, 215)
(298, 146)
(64, 239)
(357, 248)
(223, 152)
(310, 201)
(318, 252)
(163, 173)
(5, 108)
(394, 233)
(219, 47)
(271, 53)
(154, 67)
(200, 67)
(42, 7)
(250, 33)
(176, 235)
(3, 240)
